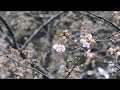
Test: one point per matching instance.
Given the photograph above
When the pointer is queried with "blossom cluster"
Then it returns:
(115, 50)
(59, 48)
(86, 39)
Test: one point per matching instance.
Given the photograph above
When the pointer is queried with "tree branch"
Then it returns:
(106, 20)
(40, 29)
(7, 37)
(109, 22)
(10, 31)
(49, 42)
(28, 67)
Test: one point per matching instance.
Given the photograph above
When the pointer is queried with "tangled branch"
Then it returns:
(10, 31)
(50, 77)
(40, 29)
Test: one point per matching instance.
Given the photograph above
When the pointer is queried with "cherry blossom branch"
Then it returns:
(76, 44)
(40, 29)
(71, 69)
(101, 60)
(27, 66)
(35, 33)
(105, 20)
(78, 60)
(16, 46)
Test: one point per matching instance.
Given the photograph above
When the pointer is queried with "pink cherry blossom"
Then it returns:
(87, 40)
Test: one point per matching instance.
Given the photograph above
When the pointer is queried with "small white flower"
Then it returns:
(111, 50)
(90, 72)
(86, 45)
(59, 48)
(106, 75)
(100, 70)
(103, 72)
(55, 46)
(83, 41)
(89, 36)
(118, 53)
(75, 40)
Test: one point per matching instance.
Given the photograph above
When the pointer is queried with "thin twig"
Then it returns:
(108, 40)
(49, 42)
(10, 31)
(111, 35)
(117, 67)
(29, 67)
(76, 44)
(36, 32)
(35, 17)
(7, 37)
(106, 61)
(106, 20)
(101, 59)
(98, 27)
(109, 22)
(78, 60)
(40, 29)
(71, 70)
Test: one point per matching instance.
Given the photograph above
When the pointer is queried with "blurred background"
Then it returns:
(25, 23)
